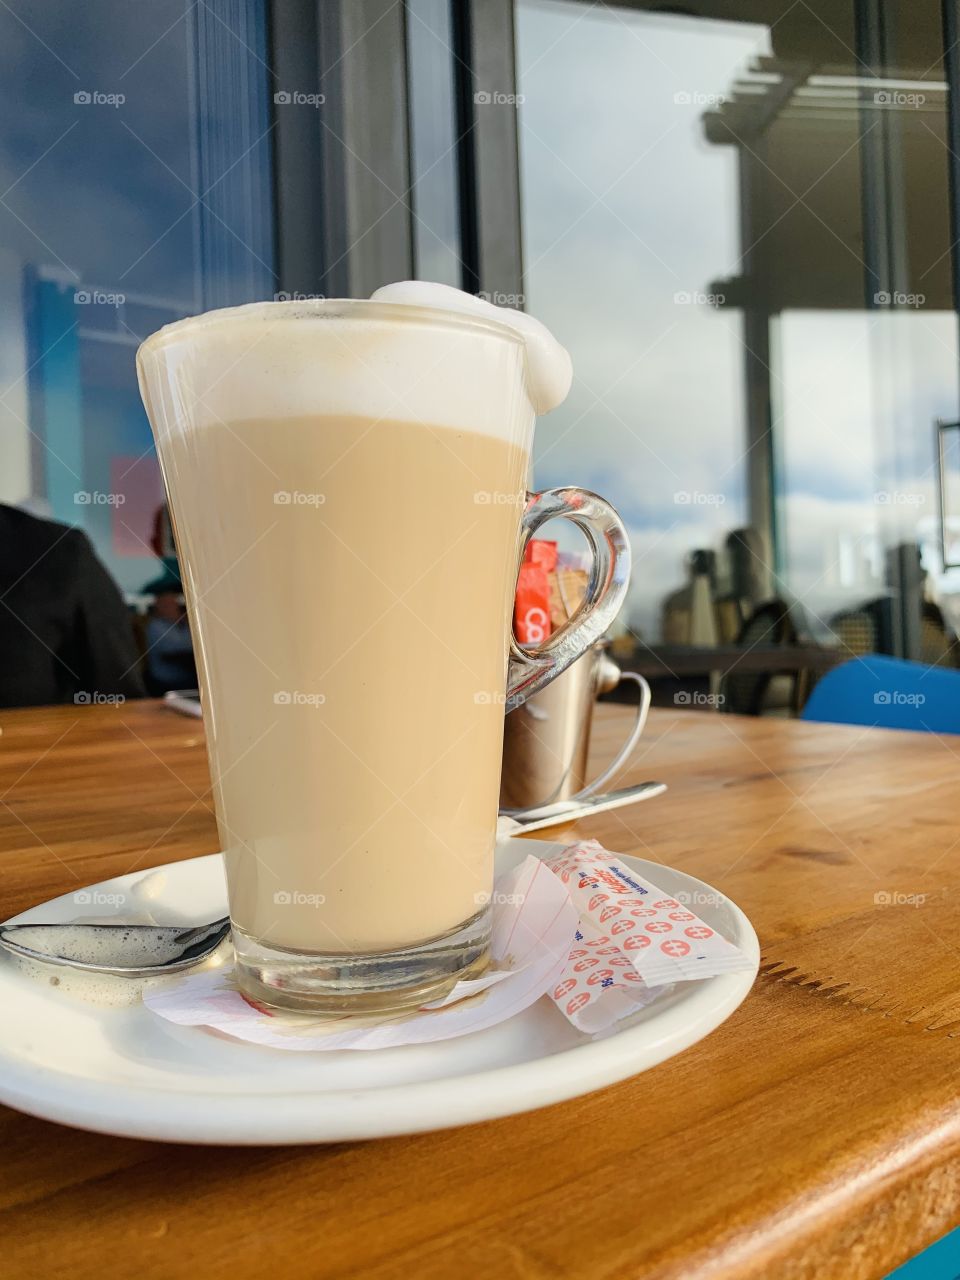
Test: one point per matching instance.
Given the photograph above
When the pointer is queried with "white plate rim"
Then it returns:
(318, 1116)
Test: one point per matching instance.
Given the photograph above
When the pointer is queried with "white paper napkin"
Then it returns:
(581, 929)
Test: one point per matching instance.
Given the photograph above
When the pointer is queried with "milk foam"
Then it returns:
(549, 369)
(479, 368)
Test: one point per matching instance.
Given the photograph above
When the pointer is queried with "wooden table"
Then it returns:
(815, 1134)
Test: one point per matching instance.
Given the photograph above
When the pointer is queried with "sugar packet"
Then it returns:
(633, 941)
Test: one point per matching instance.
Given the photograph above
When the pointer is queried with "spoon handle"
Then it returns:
(550, 815)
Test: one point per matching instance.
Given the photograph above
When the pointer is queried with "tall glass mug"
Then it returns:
(346, 481)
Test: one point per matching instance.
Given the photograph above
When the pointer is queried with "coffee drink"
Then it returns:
(347, 485)
(353, 628)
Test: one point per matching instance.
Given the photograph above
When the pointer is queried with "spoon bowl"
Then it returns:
(126, 950)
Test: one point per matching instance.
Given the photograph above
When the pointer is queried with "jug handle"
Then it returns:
(531, 669)
(620, 758)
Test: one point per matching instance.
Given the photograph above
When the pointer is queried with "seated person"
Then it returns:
(169, 657)
(64, 628)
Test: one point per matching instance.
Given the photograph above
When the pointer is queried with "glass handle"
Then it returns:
(531, 669)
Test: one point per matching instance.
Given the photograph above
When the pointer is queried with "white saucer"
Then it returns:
(122, 1070)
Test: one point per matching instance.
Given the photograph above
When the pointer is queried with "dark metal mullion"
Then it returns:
(883, 214)
(409, 195)
(342, 180)
(369, 138)
(490, 168)
(466, 145)
(761, 452)
(868, 15)
(951, 36)
(950, 16)
(300, 217)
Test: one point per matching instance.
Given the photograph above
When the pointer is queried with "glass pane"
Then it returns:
(741, 229)
(849, 207)
(620, 261)
(433, 131)
(950, 536)
(135, 159)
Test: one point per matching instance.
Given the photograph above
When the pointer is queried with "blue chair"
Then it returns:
(888, 693)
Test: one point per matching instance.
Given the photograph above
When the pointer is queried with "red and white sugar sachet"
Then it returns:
(581, 928)
(632, 940)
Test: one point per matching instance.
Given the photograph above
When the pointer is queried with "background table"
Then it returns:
(815, 1134)
(674, 661)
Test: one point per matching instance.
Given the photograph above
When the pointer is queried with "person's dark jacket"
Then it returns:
(65, 632)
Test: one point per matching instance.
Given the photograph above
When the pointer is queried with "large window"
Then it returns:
(743, 233)
(135, 187)
(628, 218)
(736, 217)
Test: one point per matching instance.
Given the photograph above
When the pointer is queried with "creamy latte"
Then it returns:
(352, 589)
(346, 481)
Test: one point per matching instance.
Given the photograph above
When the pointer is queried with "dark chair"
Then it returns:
(769, 624)
(938, 646)
(856, 630)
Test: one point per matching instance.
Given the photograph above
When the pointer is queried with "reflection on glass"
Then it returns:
(949, 542)
(627, 218)
(433, 132)
(858, 394)
(119, 212)
(743, 234)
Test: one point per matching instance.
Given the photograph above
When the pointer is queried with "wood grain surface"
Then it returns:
(815, 1134)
